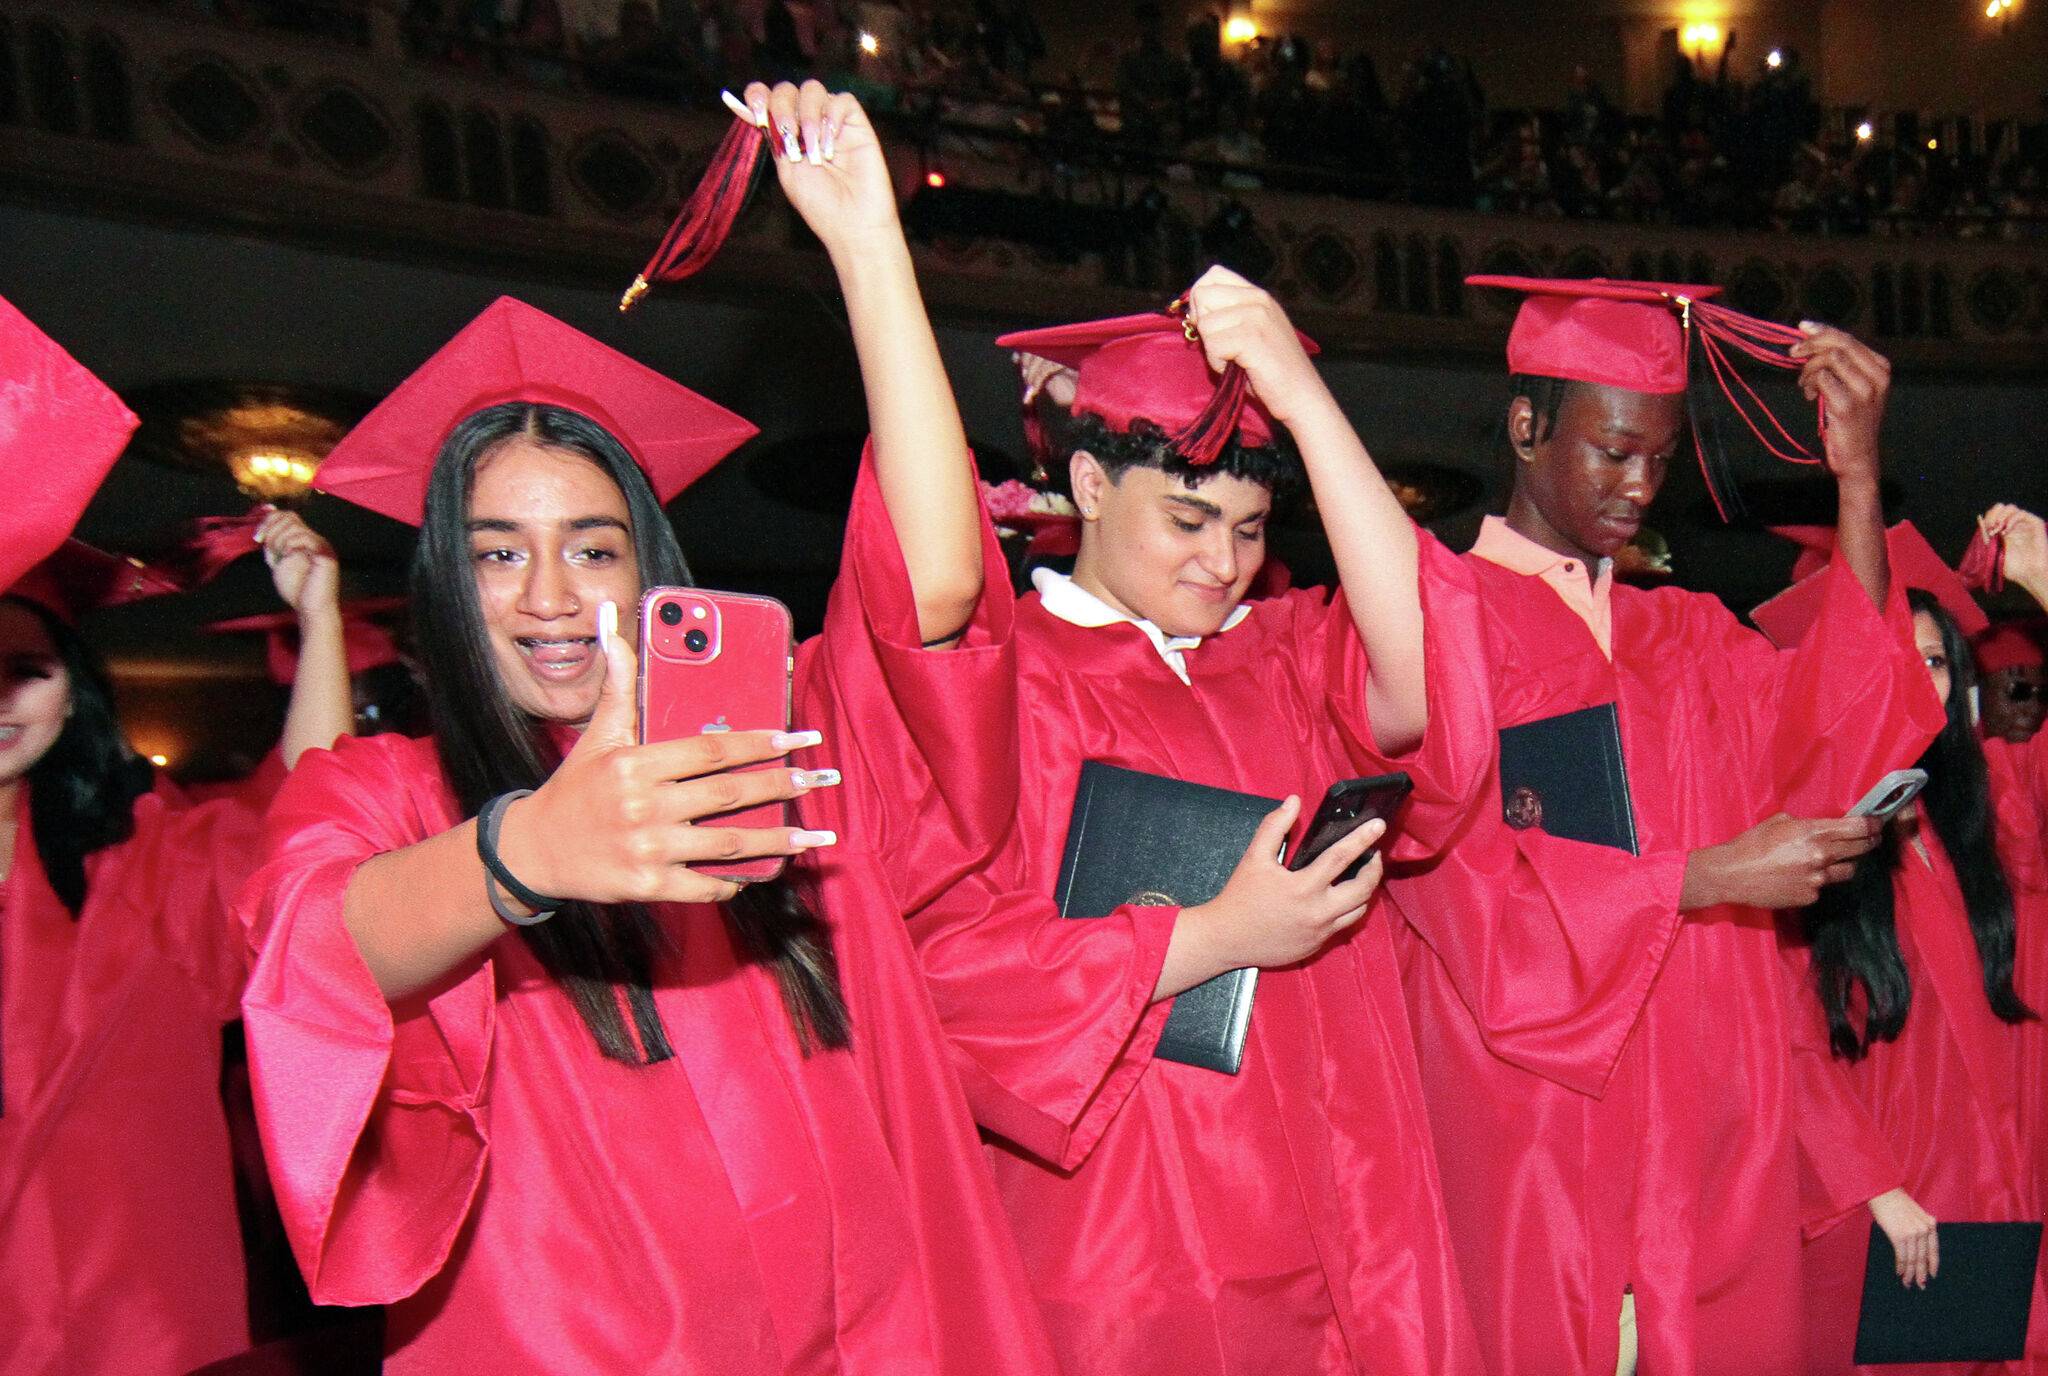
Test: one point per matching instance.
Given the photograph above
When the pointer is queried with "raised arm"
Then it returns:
(1371, 536)
(832, 169)
(1853, 380)
(308, 577)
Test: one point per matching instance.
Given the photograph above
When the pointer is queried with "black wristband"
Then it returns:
(487, 821)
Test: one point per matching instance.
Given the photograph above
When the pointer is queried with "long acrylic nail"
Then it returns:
(808, 839)
(740, 109)
(814, 151)
(607, 622)
(796, 740)
(831, 135)
(814, 778)
(790, 149)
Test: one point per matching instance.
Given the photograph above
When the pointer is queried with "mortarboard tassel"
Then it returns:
(701, 226)
(1983, 564)
(1712, 331)
(1203, 438)
(215, 543)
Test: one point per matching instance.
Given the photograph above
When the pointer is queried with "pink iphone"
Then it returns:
(718, 661)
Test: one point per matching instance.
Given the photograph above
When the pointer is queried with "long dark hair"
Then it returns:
(1853, 927)
(598, 953)
(82, 791)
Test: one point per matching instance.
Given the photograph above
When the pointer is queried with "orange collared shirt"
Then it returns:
(1589, 598)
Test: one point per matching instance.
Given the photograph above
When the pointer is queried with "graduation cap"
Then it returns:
(2005, 646)
(512, 352)
(1786, 617)
(369, 645)
(701, 226)
(79, 578)
(60, 431)
(1150, 368)
(1660, 337)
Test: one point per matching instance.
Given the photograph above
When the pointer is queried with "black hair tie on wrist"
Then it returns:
(487, 821)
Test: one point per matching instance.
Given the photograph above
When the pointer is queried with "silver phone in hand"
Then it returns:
(1892, 792)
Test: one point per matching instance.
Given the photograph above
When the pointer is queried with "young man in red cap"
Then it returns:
(120, 1249)
(1606, 1038)
(1174, 1218)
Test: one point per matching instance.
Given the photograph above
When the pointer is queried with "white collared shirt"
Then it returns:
(1077, 606)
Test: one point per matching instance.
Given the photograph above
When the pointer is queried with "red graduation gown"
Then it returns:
(1613, 1090)
(1946, 1098)
(2019, 796)
(911, 815)
(524, 1203)
(1176, 1220)
(120, 1250)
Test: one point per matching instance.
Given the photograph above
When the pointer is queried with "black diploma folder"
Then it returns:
(1974, 1310)
(1565, 774)
(1148, 840)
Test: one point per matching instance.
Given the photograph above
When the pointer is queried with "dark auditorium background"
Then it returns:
(263, 213)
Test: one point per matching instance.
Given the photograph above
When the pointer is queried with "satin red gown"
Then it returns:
(1947, 1096)
(522, 1203)
(1613, 1089)
(120, 1251)
(1176, 1220)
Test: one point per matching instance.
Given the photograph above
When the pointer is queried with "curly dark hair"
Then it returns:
(1275, 467)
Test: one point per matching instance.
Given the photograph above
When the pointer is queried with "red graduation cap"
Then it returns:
(1787, 617)
(80, 578)
(369, 645)
(1147, 368)
(513, 352)
(1641, 335)
(2005, 646)
(60, 431)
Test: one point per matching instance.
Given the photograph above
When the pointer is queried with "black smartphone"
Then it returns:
(1349, 805)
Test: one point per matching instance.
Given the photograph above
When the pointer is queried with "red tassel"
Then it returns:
(701, 227)
(1203, 437)
(1721, 329)
(1983, 565)
(216, 542)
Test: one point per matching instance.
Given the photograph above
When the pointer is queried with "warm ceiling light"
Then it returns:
(1241, 30)
(1702, 35)
(870, 44)
(935, 179)
(1775, 58)
(1864, 131)
(159, 760)
(1933, 144)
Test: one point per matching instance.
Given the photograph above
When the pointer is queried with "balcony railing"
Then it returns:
(134, 108)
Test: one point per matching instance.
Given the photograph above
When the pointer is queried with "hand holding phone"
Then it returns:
(713, 662)
(1348, 805)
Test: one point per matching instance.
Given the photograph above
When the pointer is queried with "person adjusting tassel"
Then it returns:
(726, 1110)
(1914, 959)
(1606, 1032)
(1280, 1213)
(120, 1250)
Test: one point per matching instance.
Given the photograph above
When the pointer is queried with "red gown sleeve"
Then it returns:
(1844, 1159)
(2019, 798)
(1850, 703)
(925, 740)
(186, 866)
(374, 1128)
(1455, 760)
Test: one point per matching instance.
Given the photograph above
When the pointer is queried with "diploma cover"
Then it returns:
(1974, 1310)
(1565, 774)
(1151, 841)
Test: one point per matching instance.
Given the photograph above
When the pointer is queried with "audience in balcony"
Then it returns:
(1722, 153)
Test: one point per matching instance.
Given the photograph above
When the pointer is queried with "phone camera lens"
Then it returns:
(695, 640)
(671, 613)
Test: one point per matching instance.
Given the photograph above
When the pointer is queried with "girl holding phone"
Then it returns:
(1917, 959)
(581, 1104)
